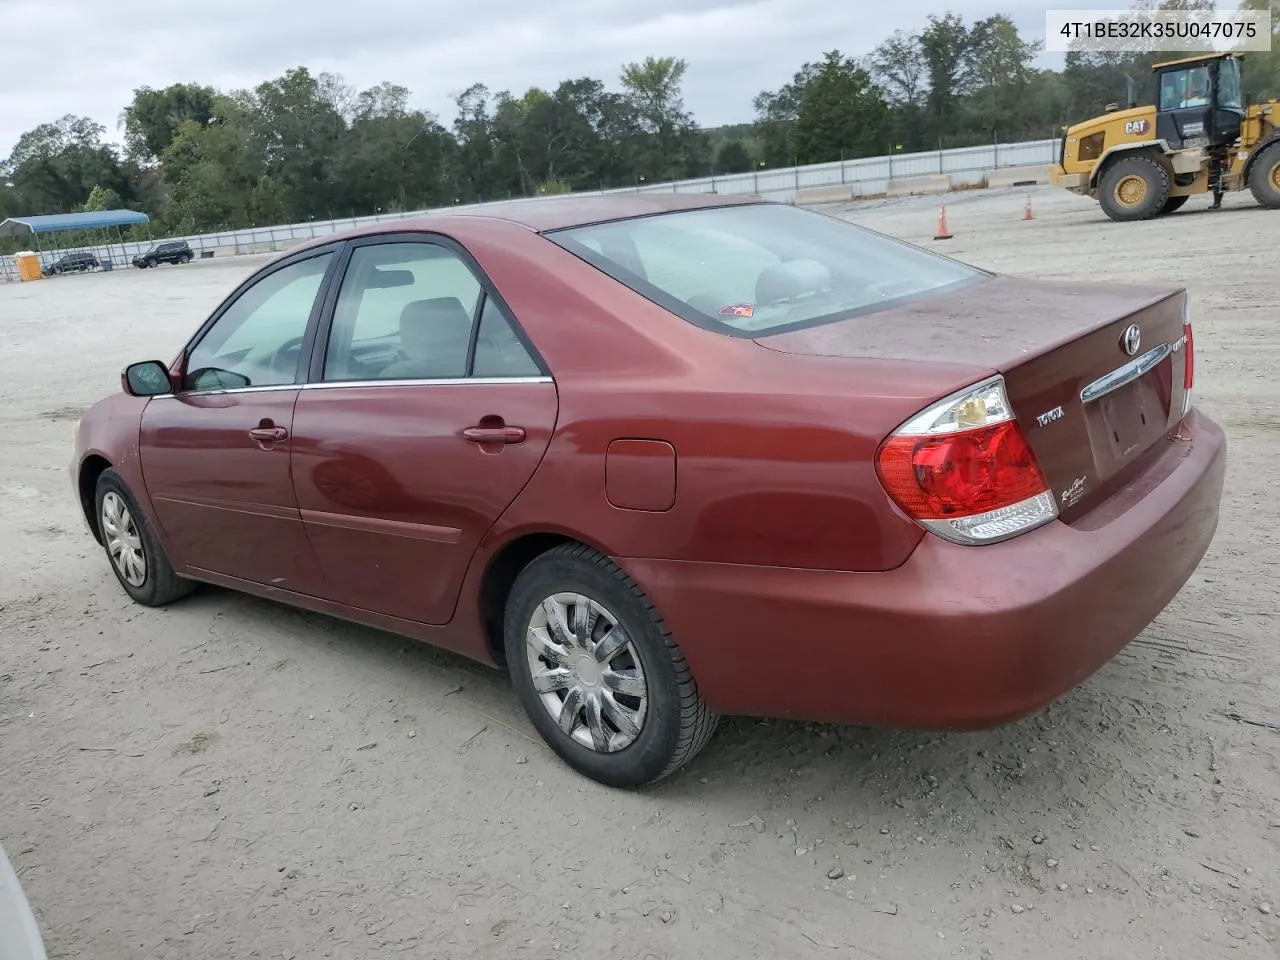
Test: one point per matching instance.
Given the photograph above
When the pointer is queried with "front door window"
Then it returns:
(256, 342)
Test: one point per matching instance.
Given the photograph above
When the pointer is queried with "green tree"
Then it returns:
(946, 44)
(103, 198)
(842, 113)
(672, 145)
(298, 122)
(776, 114)
(55, 166)
(214, 173)
(1000, 71)
(733, 158)
(391, 157)
(153, 118)
(899, 68)
(473, 131)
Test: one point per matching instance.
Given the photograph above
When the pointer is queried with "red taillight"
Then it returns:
(960, 474)
(963, 469)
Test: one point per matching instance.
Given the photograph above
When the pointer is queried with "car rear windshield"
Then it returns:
(757, 269)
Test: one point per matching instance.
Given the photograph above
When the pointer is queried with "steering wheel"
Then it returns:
(279, 364)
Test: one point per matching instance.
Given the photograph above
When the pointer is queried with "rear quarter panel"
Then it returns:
(774, 453)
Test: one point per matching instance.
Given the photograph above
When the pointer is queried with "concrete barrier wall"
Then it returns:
(1018, 176)
(824, 194)
(913, 186)
(926, 185)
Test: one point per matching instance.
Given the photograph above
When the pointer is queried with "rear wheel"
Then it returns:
(1134, 188)
(132, 548)
(598, 673)
(1173, 203)
(1264, 177)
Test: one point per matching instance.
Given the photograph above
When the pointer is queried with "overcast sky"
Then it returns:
(85, 57)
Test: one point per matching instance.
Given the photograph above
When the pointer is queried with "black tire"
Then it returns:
(151, 263)
(185, 258)
(1264, 177)
(1173, 203)
(159, 584)
(676, 724)
(1134, 188)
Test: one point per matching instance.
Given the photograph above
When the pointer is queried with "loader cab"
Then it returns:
(1198, 101)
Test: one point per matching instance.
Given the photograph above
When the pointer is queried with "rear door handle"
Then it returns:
(268, 434)
(494, 434)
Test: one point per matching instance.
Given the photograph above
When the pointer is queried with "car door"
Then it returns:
(215, 455)
(425, 415)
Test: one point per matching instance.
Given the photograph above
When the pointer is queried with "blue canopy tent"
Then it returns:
(55, 223)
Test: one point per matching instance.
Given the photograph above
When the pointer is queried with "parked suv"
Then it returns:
(174, 251)
(73, 263)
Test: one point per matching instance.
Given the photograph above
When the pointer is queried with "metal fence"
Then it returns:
(865, 176)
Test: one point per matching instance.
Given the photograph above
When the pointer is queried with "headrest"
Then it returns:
(430, 327)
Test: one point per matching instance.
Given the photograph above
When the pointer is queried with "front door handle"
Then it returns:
(268, 434)
(494, 434)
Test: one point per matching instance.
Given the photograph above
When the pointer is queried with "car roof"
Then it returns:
(575, 210)
(539, 214)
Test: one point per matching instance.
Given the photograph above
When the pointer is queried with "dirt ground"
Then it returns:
(230, 778)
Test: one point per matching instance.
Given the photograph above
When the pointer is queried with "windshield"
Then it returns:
(762, 268)
(1182, 89)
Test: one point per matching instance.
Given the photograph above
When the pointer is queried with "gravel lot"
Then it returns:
(230, 778)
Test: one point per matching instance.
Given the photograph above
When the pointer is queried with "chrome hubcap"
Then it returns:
(124, 544)
(586, 672)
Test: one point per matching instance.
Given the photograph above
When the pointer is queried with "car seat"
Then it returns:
(434, 337)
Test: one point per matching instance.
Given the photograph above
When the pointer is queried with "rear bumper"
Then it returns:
(957, 637)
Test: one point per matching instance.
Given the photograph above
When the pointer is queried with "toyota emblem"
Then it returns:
(1131, 340)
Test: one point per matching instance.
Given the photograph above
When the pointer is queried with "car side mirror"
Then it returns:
(148, 378)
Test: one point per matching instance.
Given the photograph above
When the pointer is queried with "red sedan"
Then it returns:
(664, 459)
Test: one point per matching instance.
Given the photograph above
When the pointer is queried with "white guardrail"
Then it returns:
(866, 176)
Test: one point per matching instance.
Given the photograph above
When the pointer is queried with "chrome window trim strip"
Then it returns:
(334, 384)
(435, 382)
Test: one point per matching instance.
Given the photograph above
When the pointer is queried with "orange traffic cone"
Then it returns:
(1026, 211)
(943, 233)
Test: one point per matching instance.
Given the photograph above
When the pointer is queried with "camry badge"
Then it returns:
(1132, 339)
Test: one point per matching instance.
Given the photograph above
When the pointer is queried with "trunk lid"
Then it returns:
(1053, 341)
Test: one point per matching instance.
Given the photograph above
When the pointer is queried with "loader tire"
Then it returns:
(1135, 188)
(1264, 177)
(1173, 203)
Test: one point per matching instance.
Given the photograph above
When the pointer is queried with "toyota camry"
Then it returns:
(664, 459)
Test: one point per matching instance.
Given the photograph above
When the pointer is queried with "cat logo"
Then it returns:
(1136, 128)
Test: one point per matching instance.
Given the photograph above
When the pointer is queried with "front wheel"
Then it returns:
(598, 673)
(1174, 203)
(1134, 188)
(132, 548)
(1264, 177)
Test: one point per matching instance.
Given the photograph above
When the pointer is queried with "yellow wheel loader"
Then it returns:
(1199, 137)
